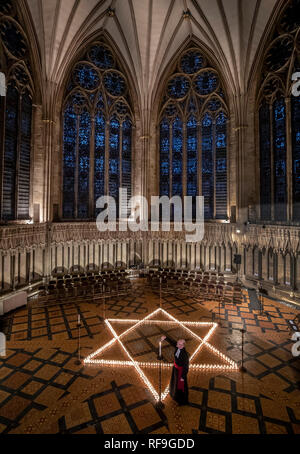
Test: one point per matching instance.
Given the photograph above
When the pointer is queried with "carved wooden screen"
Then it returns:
(15, 116)
(97, 133)
(279, 121)
(193, 125)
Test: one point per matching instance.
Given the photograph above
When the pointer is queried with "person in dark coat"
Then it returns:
(179, 386)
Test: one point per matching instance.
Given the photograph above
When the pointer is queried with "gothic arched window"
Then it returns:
(279, 122)
(15, 117)
(97, 133)
(193, 125)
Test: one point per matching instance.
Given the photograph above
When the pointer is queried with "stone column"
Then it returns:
(207, 257)
(76, 261)
(197, 255)
(223, 259)
(2, 267)
(59, 250)
(264, 265)
(22, 270)
(12, 271)
(39, 262)
(6, 271)
(183, 255)
(124, 253)
(228, 258)
(289, 160)
(280, 269)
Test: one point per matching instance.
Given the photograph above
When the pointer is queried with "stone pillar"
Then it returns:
(183, 255)
(170, 252)
(202, 260)
(39, 169)
(59, 256)
(68, 257)
(111, 253)
(22, 270)
(117, 251)
(150, 252)
(223, 259)
(100, 255)
(76, 261)
(249, 262)
(12, 271)
(228, 258)
(178, 254)
(96, 250)
(192, 256)
(289, 160)
(207, 257)
(2, 266)
(123, 255)
(280, 269)
(39, 263)
(293, 272)
(91, 256)
(127, 254)
(288, 270)
(197, 255)
(264, 265)
(72, 255)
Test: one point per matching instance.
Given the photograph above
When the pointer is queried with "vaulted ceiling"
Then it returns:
(149, 32)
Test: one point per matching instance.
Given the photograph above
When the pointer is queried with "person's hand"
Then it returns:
(181, 379)
(162, 338)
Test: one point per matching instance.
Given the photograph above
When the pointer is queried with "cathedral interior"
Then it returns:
(161, 98)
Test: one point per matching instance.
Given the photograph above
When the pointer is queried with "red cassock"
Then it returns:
(180, 383)
(178, 388)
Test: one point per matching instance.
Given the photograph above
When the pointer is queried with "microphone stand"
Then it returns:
(160, 405)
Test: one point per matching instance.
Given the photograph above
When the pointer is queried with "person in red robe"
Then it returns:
(178, 385)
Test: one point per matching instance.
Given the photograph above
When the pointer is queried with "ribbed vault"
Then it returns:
(149, 32)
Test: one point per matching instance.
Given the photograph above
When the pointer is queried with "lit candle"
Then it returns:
(159, 349)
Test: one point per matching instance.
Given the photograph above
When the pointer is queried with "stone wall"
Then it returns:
(32, 253)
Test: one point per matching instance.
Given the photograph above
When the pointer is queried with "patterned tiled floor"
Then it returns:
(42, 390)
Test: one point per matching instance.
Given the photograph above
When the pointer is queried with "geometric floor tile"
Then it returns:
(204, 356)
(42, 390)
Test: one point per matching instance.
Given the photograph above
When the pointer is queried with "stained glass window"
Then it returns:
(25, 149)
(206, 83)
(178, 87)
(99, 176)
(102, 57)
(192, 160)
(207, 166)
(279, 117)
(193, 135)
(97, 134)
(70, 145)
(114, 152)
(86, 77)
(221, 166)
(16, 118)
(265, 161)
(10, 152)
(279, 125)
(177, 158)
(83, 164)
(296, 156)
(164, 158)
(191, 62)
(126, 158)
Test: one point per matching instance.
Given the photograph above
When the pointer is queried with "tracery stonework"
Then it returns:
(277, 238)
